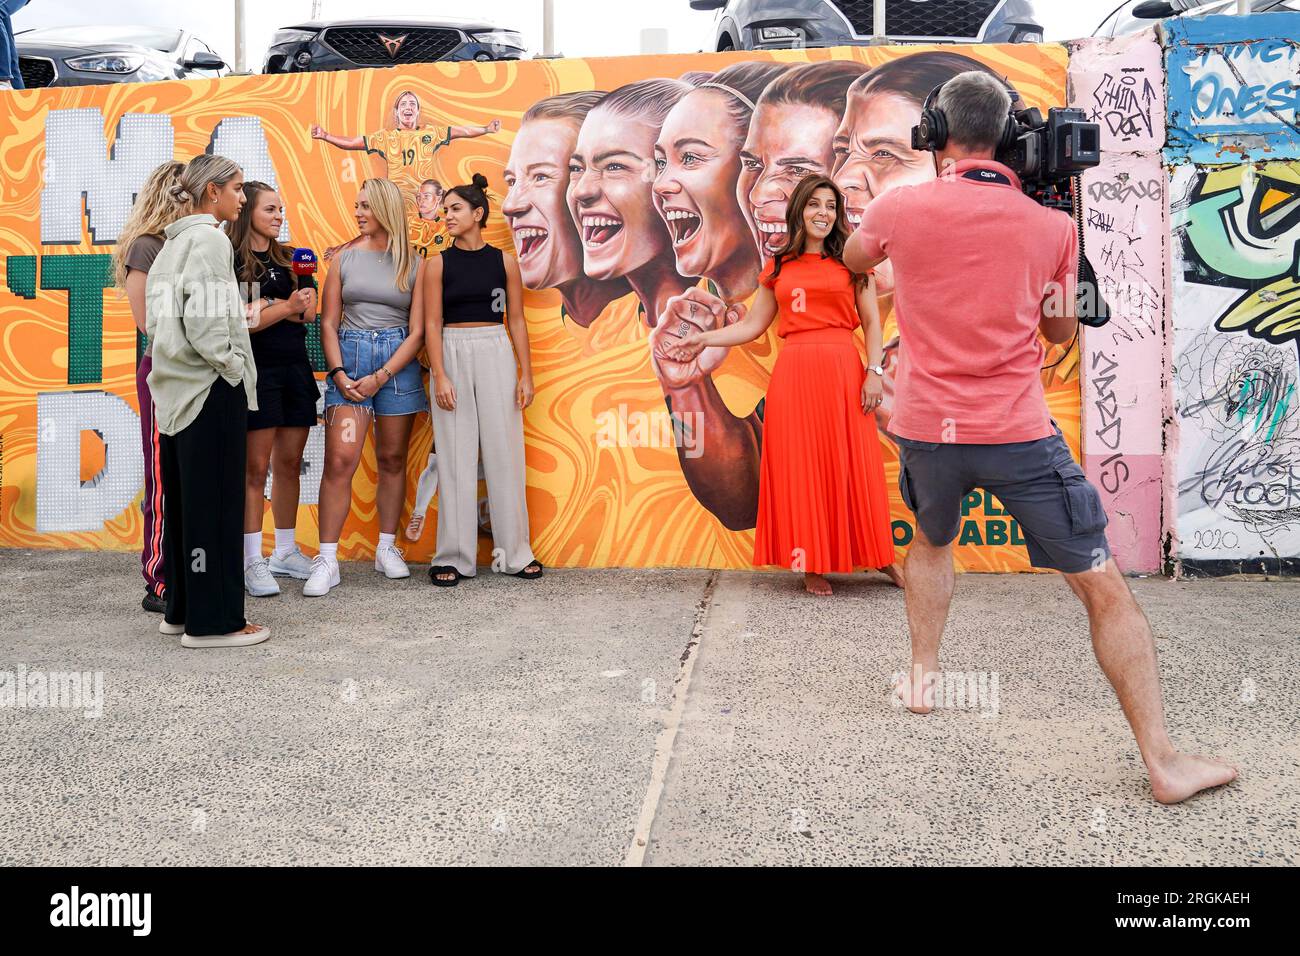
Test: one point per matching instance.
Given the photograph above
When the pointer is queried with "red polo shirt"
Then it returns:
(973, 257)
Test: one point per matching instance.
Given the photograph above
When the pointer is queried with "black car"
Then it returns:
(781, 24)
(76, 56)
(353, 44)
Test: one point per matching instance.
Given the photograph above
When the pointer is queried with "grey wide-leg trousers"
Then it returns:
(481, 365)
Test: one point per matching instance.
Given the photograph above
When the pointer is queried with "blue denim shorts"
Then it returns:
(1059, 512)
(362, 353)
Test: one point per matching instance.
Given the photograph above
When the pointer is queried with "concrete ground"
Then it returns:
(658, 717)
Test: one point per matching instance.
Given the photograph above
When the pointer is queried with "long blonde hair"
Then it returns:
(157, 206)
(386, 204)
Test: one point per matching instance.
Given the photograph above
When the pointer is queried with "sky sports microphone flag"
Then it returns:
(304, 267)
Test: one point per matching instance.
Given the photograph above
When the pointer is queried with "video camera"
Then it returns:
(1048, 154)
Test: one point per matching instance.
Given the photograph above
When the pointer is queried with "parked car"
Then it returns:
(779, 24)
(1133, 16)
(76, 56)
(352, 44)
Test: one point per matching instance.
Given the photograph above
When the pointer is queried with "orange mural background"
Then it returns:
(589, 505)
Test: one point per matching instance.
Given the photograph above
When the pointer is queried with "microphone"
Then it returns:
(304, 267)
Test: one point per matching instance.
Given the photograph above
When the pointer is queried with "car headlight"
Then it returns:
(500, 38)
(772, 34)
(292, 36)
(107, 63)
(1028, 35)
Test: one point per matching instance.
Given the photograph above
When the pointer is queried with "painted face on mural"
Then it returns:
(786, 143)
(698, 161)
(611, 198)
(427, 201)
(873, 154)
(536, 205)
(407, 111)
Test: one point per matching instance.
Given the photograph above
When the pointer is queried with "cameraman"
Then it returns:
(980, 270)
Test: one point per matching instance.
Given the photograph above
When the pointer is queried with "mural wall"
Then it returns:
(1234, 175)
(620, 184)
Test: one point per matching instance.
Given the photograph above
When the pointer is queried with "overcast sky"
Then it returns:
(582, 27)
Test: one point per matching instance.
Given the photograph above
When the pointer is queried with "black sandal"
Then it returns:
(444, 569)
(530, 573)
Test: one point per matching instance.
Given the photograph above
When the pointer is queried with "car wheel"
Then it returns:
(725, 45)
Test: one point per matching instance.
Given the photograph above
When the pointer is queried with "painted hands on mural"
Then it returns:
(680, 357)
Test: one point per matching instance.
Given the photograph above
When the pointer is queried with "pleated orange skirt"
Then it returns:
(822, 503)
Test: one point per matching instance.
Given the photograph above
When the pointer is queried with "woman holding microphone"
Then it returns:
(286, 386)
(822, 503)
(203, 383)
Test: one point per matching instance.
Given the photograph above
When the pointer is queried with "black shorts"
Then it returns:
(1059, 511)
(287, 396)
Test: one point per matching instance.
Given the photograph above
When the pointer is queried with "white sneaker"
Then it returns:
(295, 564)
(236, 639)
(170, 629)
(257, 579)
(324, 575)
(390, 561)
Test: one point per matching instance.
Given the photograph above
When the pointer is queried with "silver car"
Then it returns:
(780, 24)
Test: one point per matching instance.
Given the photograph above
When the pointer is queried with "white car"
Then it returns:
(1133, 16)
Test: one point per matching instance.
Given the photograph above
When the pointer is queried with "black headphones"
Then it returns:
(932, 132)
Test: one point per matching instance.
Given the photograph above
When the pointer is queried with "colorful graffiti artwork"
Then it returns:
(1237, 364)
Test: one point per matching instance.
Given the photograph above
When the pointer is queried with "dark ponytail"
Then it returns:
(475, 193)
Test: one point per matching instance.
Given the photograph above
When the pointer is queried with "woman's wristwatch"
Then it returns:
(878, 369)
(329, 376)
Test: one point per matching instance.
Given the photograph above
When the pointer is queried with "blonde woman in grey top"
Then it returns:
(203, 383)
(372, 328)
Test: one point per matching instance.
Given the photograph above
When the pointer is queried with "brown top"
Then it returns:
(140, 256)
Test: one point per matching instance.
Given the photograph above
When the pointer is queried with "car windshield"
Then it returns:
(165, 40)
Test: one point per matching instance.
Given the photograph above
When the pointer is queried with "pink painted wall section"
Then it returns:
(1121, 84)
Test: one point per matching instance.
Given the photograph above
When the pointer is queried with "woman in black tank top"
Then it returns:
(480, 382)
(472, 281)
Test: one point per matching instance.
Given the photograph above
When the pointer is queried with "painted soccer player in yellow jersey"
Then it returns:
(428, 234)
(408, 147)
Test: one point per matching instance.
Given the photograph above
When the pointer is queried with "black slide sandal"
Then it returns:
(444, 569)
(530, 575)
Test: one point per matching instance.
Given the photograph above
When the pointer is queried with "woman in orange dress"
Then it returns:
(823, 507)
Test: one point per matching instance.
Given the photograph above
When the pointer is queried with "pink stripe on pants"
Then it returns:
(151, 555)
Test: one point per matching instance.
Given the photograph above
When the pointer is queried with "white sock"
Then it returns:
(386, 540)
(252, 547)
(284, 542)
(330, 552)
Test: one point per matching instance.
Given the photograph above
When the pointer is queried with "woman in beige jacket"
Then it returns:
(203, 383)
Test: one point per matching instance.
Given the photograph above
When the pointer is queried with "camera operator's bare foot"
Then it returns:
(895, 574)
(910, 691)
(817, 585)
(1184, 775)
